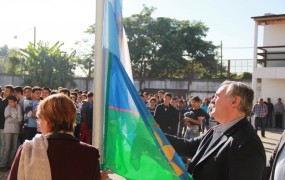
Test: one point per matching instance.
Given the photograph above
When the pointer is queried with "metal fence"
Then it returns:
(239, 66)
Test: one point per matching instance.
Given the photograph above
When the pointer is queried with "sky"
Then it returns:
(229, 21)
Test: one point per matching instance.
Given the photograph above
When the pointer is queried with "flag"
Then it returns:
(134, 146)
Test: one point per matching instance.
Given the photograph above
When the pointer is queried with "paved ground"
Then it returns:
(272, 137)
(3, 175)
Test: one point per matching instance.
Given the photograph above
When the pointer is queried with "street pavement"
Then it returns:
(272, 137)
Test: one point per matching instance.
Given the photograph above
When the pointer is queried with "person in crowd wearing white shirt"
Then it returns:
(13, 118)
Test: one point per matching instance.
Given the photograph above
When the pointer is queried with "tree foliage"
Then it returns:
(85, 51)
(43, 65)
(141, 42)
(163, 47)
(4, 51)
(169, 48)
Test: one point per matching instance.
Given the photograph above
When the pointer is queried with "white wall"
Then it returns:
(270, 72)
(274, 89)
(274, 35)
(10, 79)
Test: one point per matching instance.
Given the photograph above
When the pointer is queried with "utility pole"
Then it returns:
(229, 69)
(35, 62)
(221, 58)
(34, 36)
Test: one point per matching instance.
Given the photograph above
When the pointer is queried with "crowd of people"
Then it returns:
(188, 119)
(19, 121)
(178, 116)
(231, 148)
(263, 111)
(33, 121)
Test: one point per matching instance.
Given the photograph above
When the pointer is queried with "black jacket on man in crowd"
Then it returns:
(3, 105)
(167, 117)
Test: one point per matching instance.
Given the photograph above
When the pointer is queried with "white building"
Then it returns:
(268, 78)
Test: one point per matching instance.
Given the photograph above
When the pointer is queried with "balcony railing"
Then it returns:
(270, 53)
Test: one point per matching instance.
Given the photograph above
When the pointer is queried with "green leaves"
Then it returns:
(43, 65)
(168, 48)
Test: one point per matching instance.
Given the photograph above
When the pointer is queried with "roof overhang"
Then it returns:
(270, 19)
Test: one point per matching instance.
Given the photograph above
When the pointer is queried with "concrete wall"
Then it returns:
(274, 89)
(195, 87)
(201, 88)
(274, 35)
(6, 79)
(83, 83)
(18, 80)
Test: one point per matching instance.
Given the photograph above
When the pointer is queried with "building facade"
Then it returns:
(268, 78)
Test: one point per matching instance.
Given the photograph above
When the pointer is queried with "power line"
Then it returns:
(238, 47)
(250, 59)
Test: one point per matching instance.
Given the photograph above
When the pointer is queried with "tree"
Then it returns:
(86, 54)
(4, 51)
(165, 48)
(169, 48)
(140, 40)
(198, 51)
(43, 65)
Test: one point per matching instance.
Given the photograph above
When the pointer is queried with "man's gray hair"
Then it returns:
(242, 90)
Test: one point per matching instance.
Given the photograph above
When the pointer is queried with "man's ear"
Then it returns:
(236, 101)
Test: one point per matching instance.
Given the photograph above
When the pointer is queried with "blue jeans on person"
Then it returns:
(192, 133)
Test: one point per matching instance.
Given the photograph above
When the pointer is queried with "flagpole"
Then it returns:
(99, 84)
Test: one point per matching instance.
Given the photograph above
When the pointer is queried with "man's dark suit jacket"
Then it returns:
(68, 158)
(237, 155)
(275, 155)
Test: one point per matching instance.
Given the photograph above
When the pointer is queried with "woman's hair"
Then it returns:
(59, 112)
